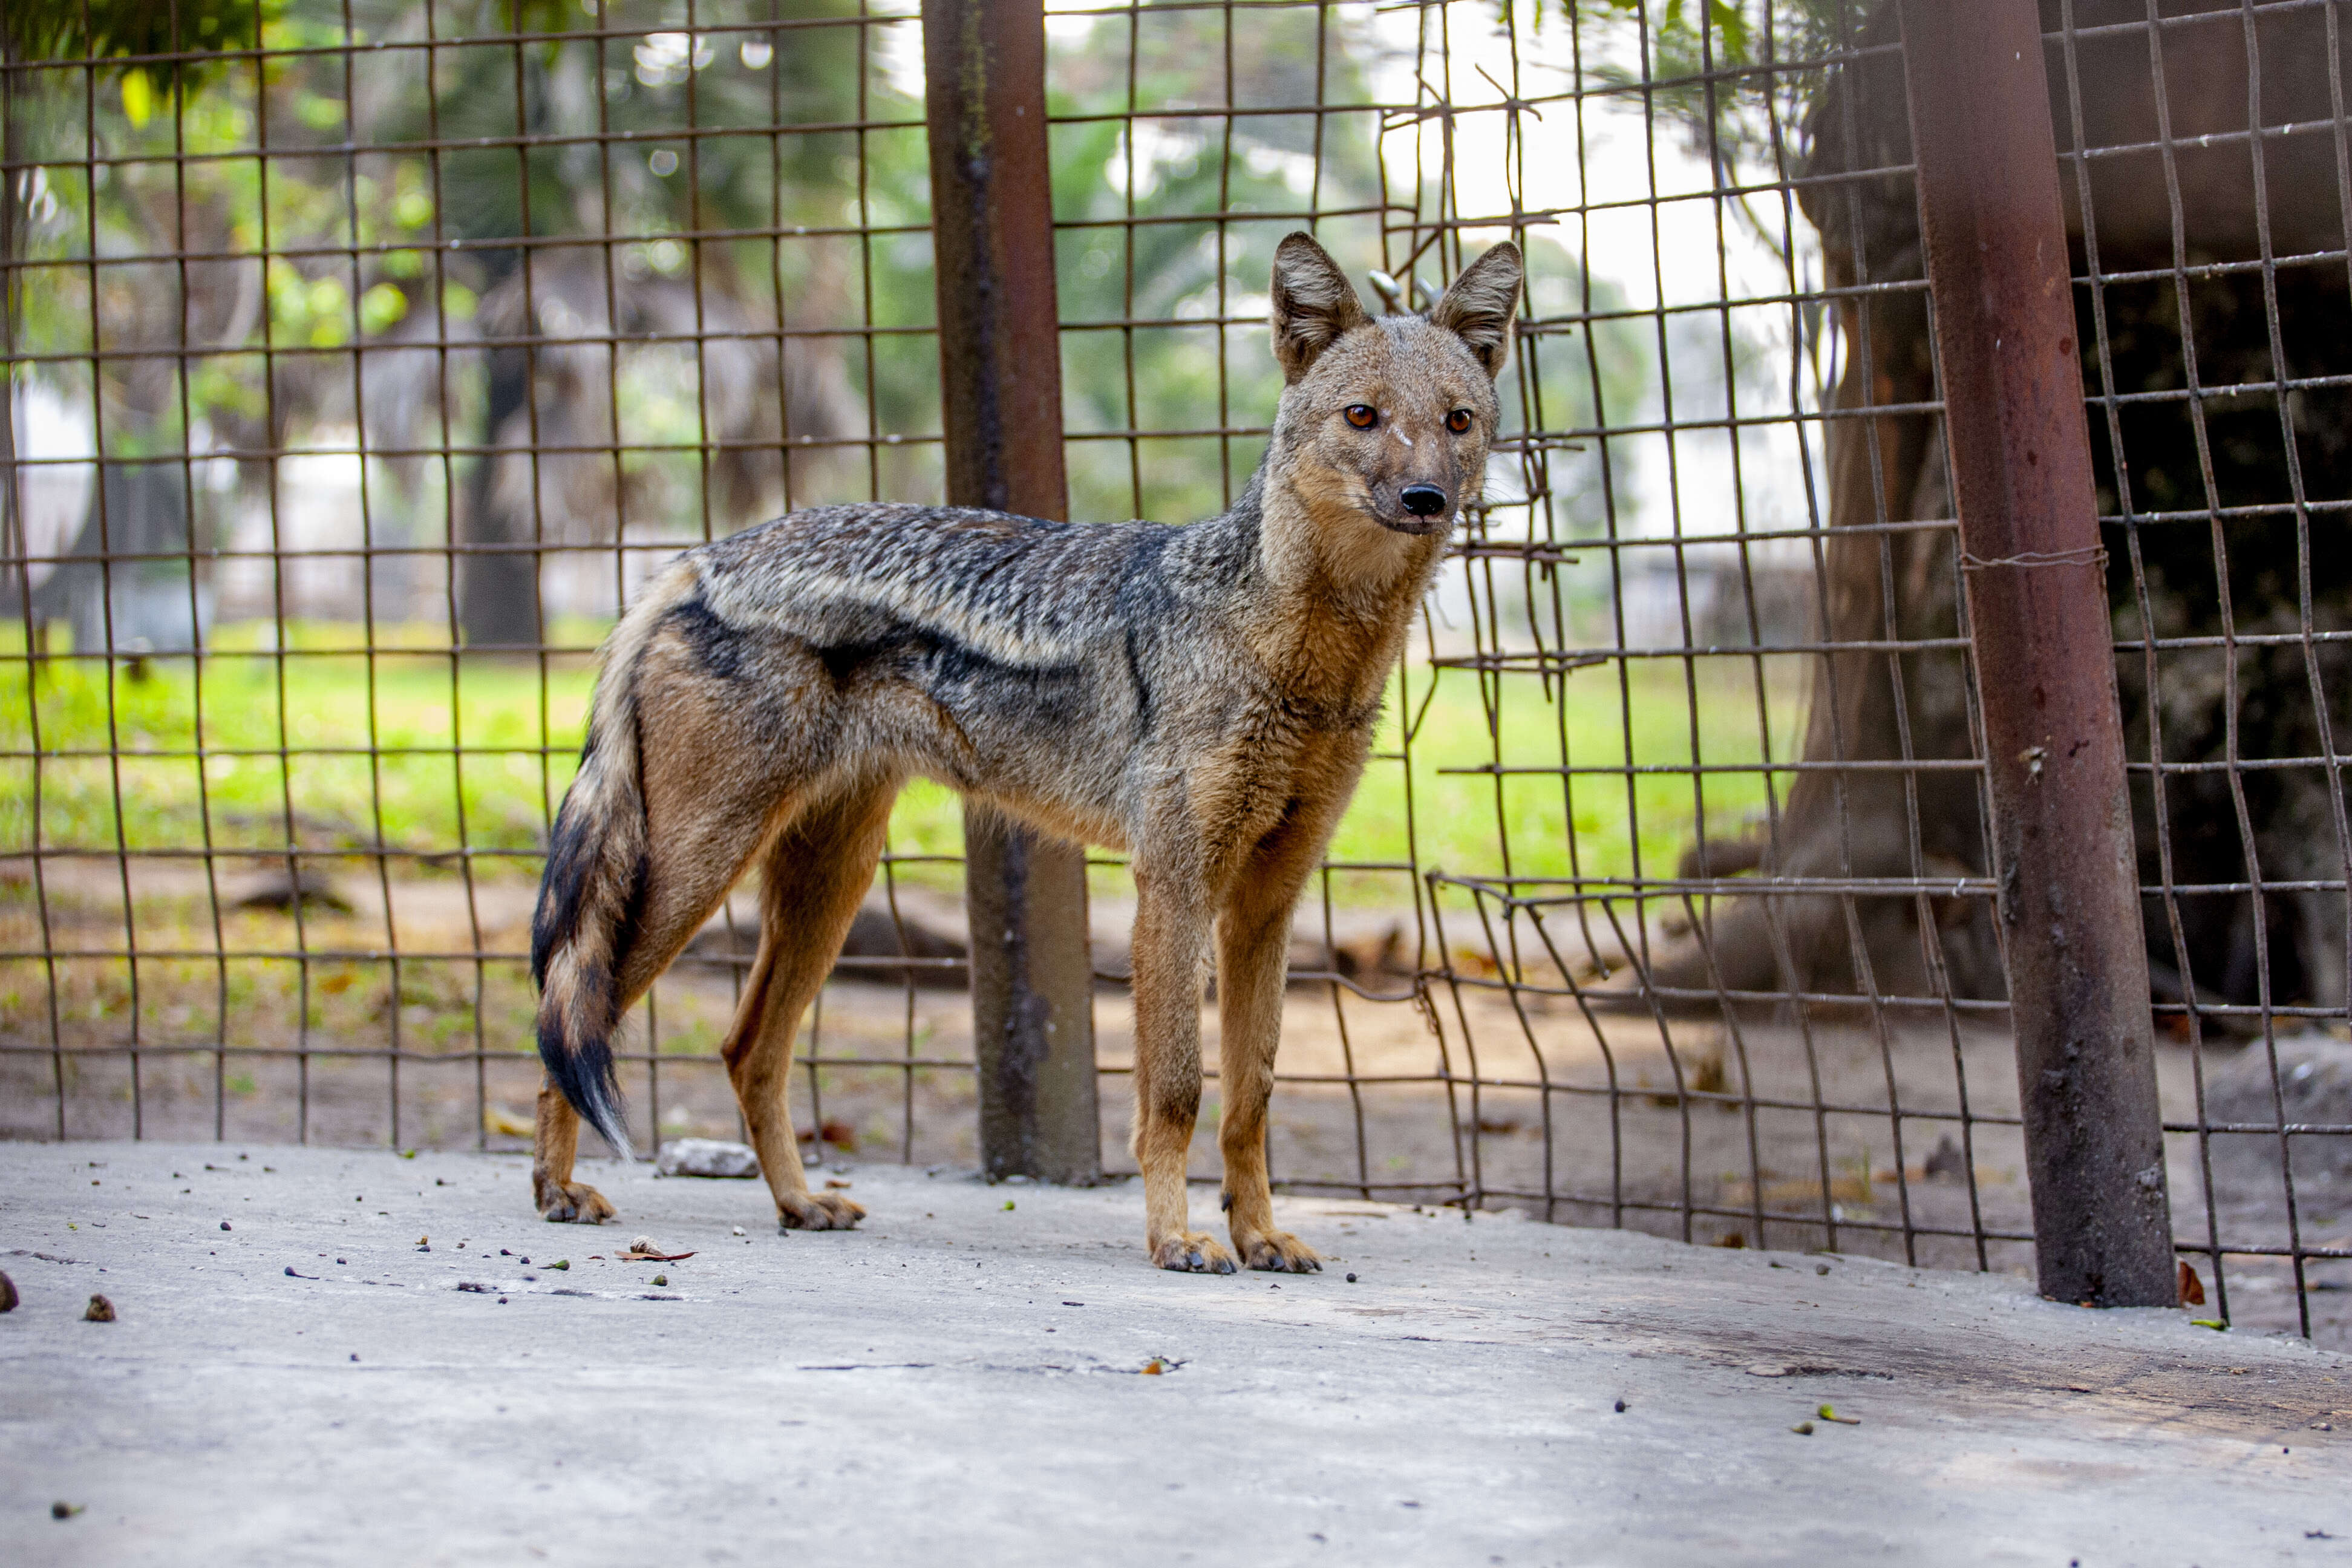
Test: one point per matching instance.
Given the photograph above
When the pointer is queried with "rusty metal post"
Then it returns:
(2021, 454)
(1000, 396)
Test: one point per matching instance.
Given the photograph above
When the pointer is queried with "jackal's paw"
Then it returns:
(1280, 1252)
(1193, 1252)
(574, 1202)
(818, 1211)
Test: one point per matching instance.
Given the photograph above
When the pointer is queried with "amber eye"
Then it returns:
(1459, 421)
(1363, 415)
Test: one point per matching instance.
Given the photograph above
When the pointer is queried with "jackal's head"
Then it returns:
(1386, 420)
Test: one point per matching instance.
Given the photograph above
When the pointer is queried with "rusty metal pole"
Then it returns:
(1999, 276)
(1000, 396)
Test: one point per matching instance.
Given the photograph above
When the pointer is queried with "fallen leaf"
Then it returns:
(506, 1124)
(2193, 1290)
(1828, 1413)
(1803, 1428)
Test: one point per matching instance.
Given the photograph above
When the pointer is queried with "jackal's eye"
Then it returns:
(1459, 421)
(1363, 415)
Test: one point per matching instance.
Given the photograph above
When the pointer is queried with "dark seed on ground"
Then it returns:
(1621, 1408)
(1352, 1279)
(224, 1224)
(65, 1509)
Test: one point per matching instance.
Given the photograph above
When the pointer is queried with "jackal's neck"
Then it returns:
(1337, 591)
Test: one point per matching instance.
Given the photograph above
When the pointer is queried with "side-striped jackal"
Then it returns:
(1201, 698)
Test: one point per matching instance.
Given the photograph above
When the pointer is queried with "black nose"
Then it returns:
(1423, 501)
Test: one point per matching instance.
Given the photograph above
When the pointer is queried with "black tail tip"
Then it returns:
(585, 1077)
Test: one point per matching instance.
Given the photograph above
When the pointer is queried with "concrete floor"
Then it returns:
(962, 1383)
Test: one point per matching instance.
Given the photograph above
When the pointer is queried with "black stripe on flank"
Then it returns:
(718, 646)
(1142, 687)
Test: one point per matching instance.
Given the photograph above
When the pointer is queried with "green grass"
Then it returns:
(305, 718)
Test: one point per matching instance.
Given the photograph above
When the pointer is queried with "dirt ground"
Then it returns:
(1787, 1141)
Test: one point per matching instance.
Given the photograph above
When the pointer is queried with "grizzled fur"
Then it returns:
(1201, 698)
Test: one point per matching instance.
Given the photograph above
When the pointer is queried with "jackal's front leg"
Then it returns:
(1253, 964)
(1169, 928)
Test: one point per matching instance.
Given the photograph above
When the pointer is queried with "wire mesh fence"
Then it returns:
(364, 357)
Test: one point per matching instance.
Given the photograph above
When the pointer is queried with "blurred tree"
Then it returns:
(136, 508)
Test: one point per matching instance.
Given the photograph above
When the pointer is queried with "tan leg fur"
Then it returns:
(814, 875)
(555, 1146)
(1169, 932)
(1253, 958)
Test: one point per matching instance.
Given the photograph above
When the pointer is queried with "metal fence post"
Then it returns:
(1999, 276)
(1001, 396)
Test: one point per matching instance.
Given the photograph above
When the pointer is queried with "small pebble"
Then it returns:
(1352, 1279)
(224, 1224)
(1821, 1268)
(737, 1231)
(101, 1310)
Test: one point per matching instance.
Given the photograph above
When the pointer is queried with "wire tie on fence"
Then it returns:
(2088, 555)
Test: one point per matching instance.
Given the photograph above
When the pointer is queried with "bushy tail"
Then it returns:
(590, 898)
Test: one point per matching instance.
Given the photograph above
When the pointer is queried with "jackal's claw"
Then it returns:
(1279, 1252)
(1193, 1252)
(575, 1202)
(819, 1211)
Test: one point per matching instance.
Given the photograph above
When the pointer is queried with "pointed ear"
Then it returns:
(1313, 304)
(1480, 307)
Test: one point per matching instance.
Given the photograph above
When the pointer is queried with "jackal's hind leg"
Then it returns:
(812, 883)
(1168, 943)
(560, 1198)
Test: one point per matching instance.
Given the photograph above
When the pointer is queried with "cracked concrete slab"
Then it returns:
(327, 1355)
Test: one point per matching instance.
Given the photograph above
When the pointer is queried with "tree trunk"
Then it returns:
(2185, 575)
(498, 585)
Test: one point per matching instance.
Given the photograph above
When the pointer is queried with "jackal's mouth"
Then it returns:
(1417, 527)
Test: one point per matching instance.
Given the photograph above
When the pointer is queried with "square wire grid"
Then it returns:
(415, 335)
